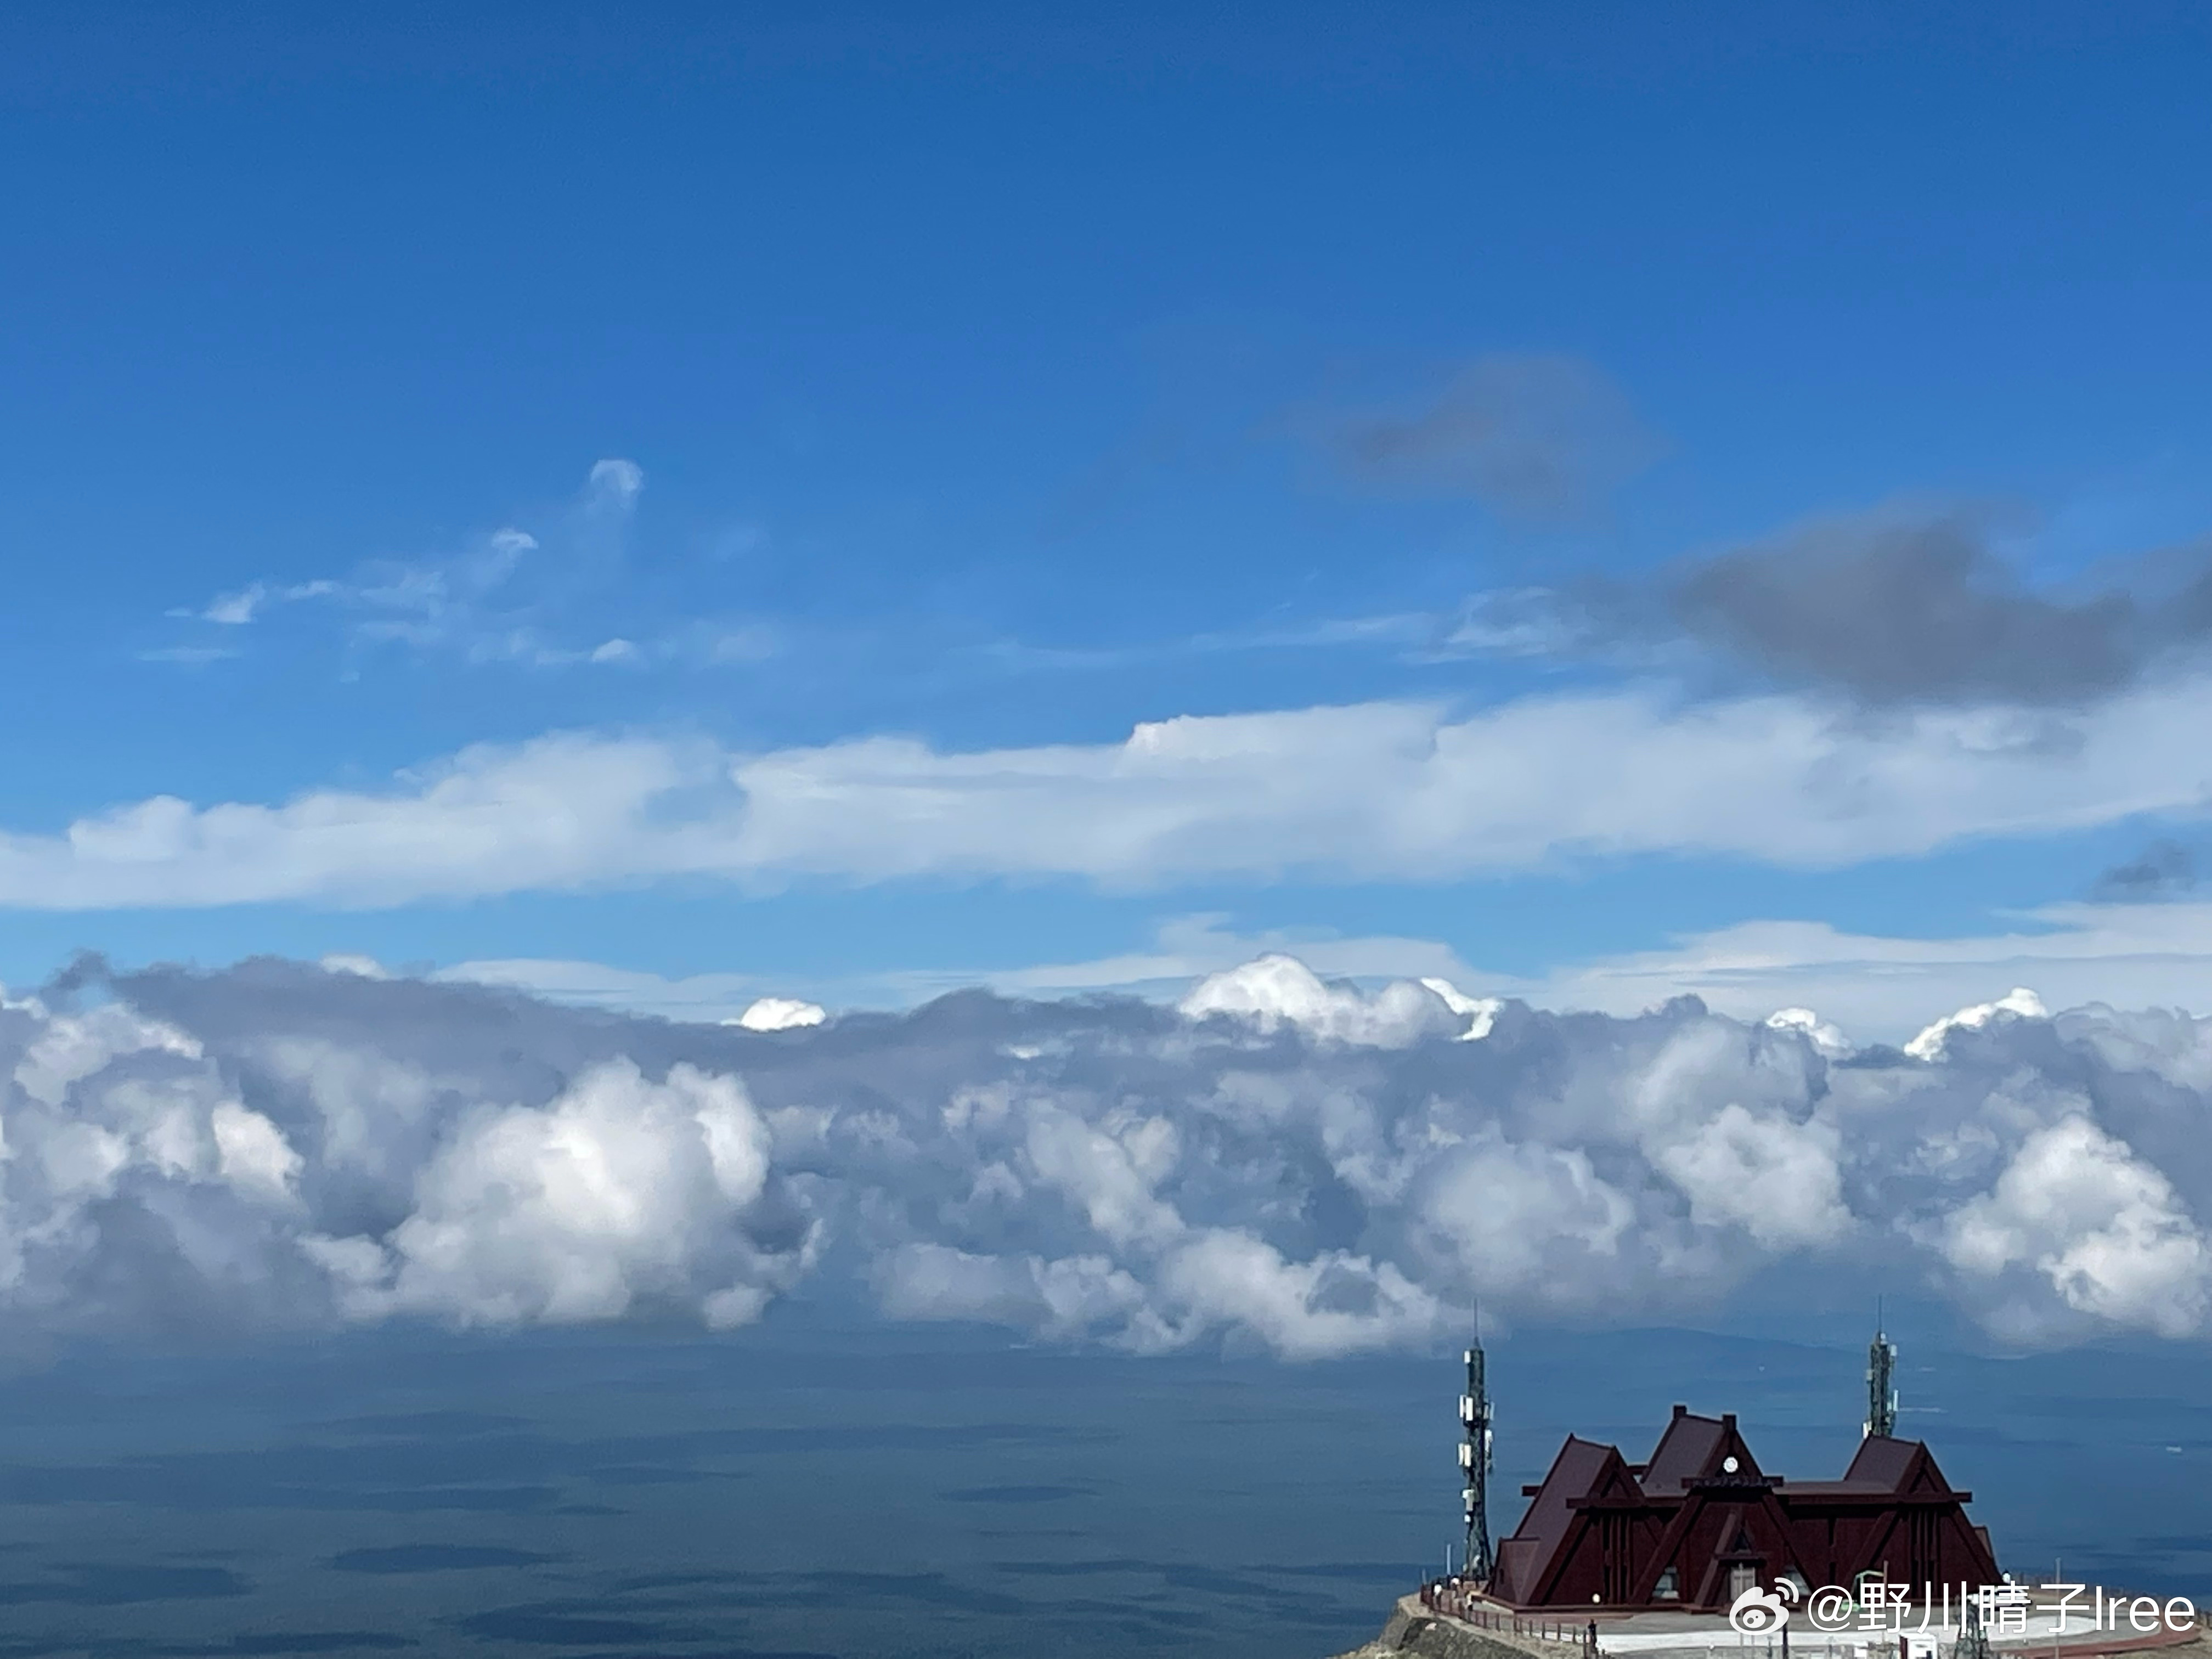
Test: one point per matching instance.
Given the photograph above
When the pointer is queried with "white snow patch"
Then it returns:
(1275, 990)
(1481, 1012)
(1825, 1036)
(778, 1014)
(341, 962)
(2019, 1001)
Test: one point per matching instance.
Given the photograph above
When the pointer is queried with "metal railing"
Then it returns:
(1451, 1599)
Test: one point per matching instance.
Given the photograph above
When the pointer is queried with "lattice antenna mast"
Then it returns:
(1881, 1389)
(1973, 1637)
(1474, 1462)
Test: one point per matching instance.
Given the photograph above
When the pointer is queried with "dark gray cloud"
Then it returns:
(1538, 437)
(1887, 608)
(2164, 869)
(1910, 612)
(279, 1145)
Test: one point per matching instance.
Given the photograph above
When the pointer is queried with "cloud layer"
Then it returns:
(1278, 1161)
(1389, 791)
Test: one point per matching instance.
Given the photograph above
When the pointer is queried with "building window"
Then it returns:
(1742, 1576)
(1669, 1588)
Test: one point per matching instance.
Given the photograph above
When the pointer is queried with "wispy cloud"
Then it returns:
(189, 656)
(1538, 437)
(1397, 632)
(510, 596)
(232, 610)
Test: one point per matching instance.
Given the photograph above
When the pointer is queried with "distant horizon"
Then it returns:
(1904, 1004)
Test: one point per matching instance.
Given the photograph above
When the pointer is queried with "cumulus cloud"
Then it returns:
(2078, 1210)
(617, 1192)
(1405, 792)
(1283, 1163)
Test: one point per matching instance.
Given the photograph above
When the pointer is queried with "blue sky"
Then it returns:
(801, 445)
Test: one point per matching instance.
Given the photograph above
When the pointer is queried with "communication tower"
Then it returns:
(1474, 1465)
(1882, 1391)
(1973, 1641)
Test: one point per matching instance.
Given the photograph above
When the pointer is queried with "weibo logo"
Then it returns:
(1761, 1612)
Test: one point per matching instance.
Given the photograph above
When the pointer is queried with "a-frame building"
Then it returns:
(1699, 1522)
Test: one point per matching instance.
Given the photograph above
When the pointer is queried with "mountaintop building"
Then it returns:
(1699, 1522)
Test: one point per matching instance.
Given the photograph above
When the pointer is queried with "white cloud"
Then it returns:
(1335, 1302)
(1405, 792)
(1072, 1297)
(621, 1191)
(1517, 1221)
(1779, 1179)
(616, 483)
(283, 1144)
(1373, 791)
(252, 1152)
(2107, 1231)
(557, 813)
(236, 609)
